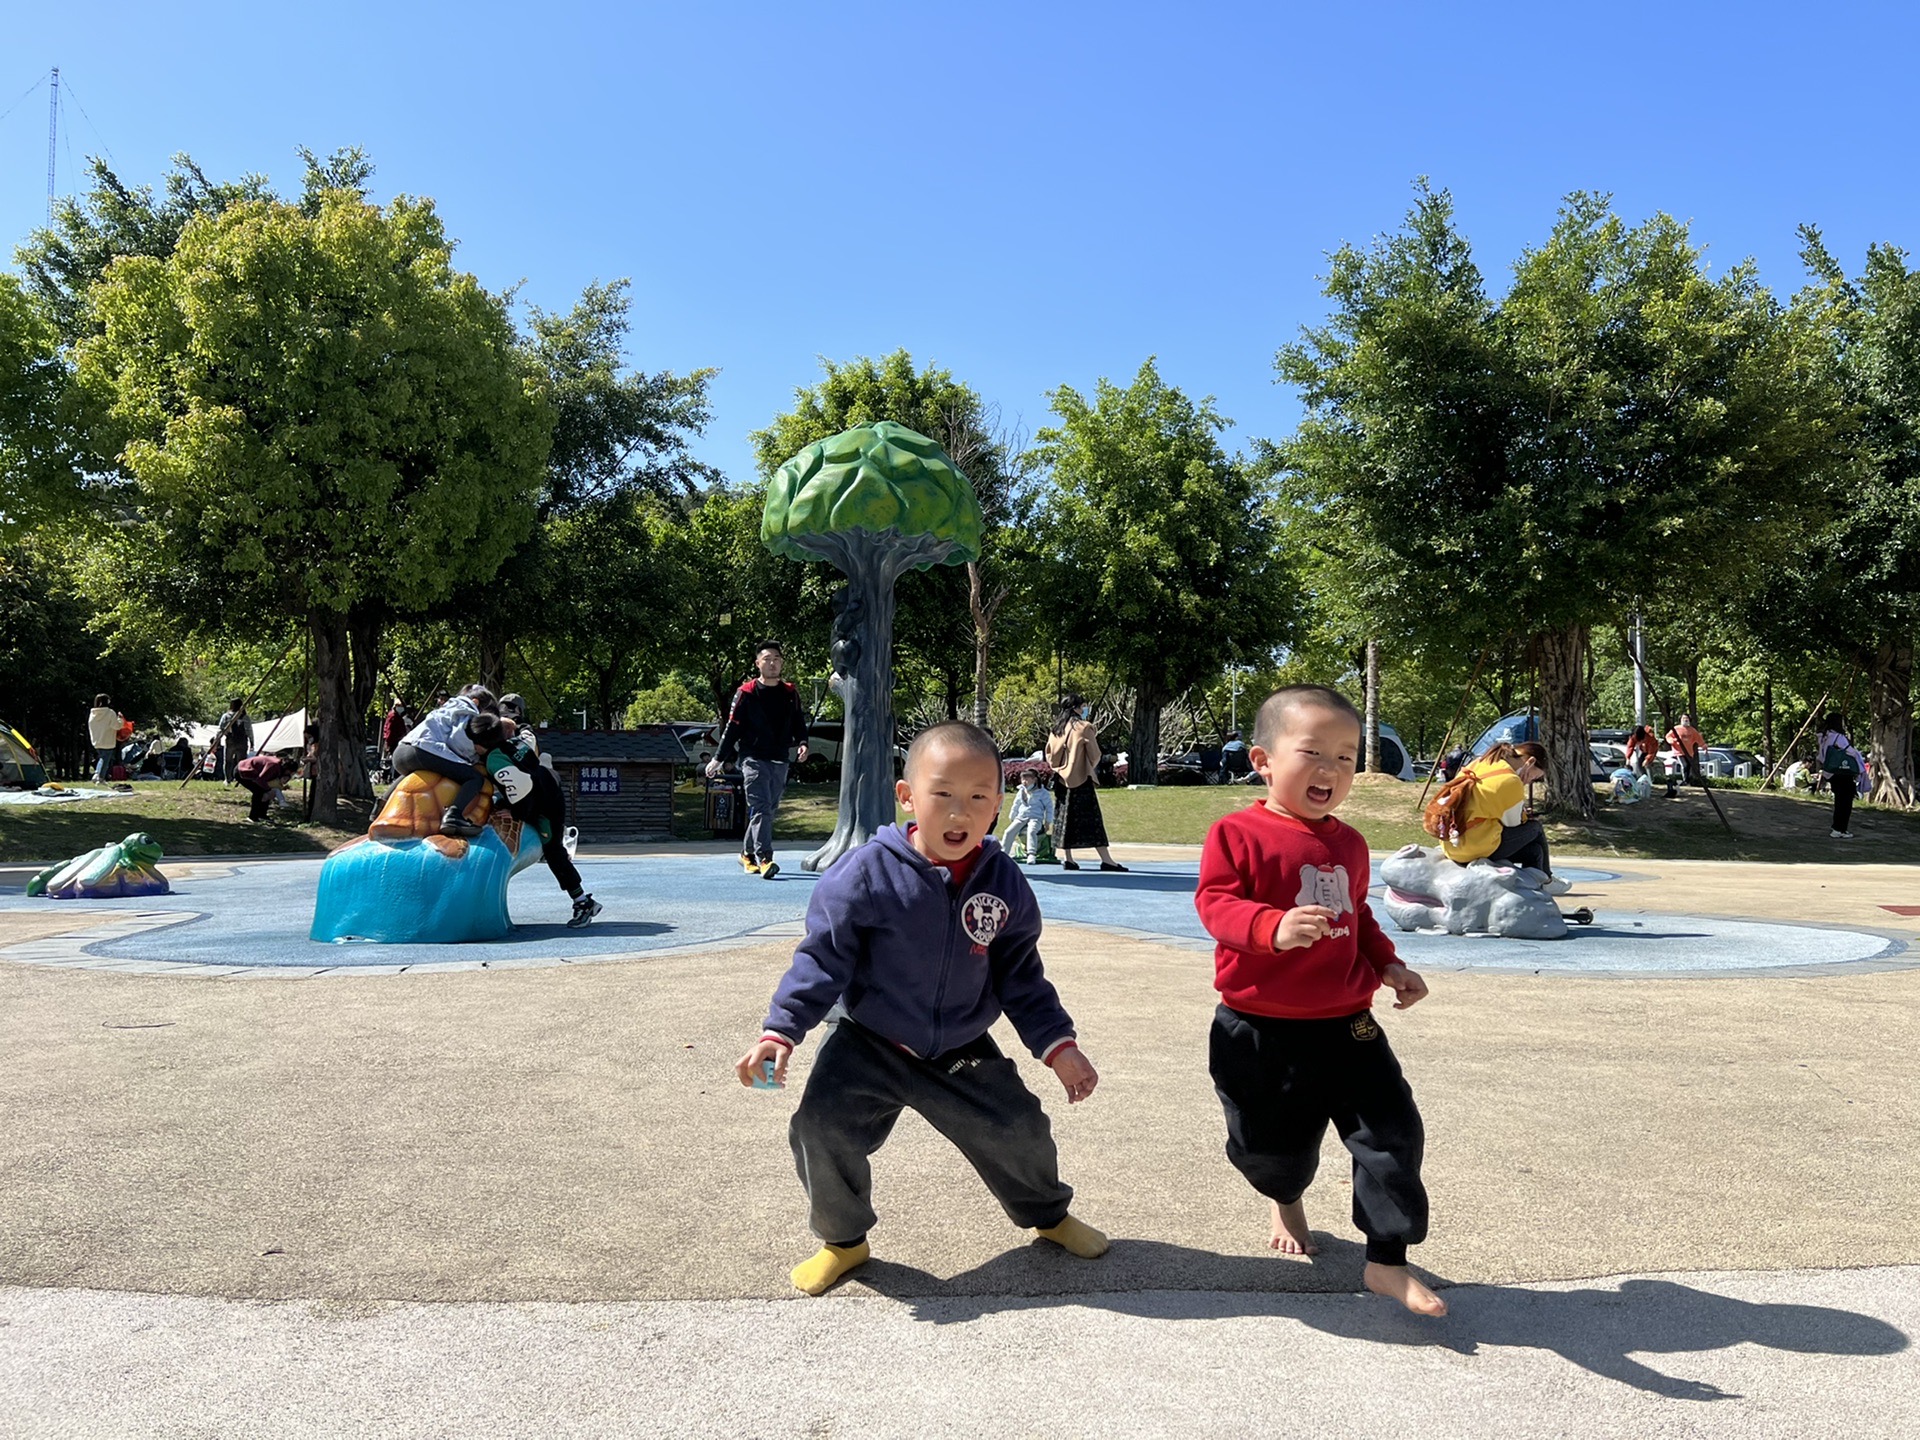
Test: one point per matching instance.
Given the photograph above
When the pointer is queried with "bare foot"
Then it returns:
(1290, 1234)
(1396, 1282)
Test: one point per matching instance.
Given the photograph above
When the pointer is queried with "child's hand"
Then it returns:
(1076, 1073)
(752, 1065)
(1405, 984)
(1302, 926)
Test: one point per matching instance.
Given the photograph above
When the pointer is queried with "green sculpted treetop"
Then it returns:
(880, 488)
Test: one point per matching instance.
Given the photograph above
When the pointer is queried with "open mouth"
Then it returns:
(1414, 897)
(956, 838)
(1319, 794)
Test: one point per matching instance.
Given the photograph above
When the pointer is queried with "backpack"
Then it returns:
(1837, 759)
(1441, 818)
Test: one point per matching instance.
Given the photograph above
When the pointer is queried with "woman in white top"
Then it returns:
(103, 729)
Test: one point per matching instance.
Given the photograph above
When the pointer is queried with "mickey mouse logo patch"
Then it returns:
(982, 916)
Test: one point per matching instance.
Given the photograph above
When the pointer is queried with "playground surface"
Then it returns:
(532, 1199)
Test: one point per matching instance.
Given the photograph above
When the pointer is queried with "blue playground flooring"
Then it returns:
(257, 917)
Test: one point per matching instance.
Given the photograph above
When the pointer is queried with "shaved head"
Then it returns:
(955, 735)
(1278, 710)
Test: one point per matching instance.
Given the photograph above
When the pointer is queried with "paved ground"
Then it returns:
(1784, 1355)
(350, 1207)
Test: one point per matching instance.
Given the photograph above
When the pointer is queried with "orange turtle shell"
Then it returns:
(417, 801)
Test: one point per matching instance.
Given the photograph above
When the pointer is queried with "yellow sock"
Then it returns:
(1076, 1238)
(815, 1276)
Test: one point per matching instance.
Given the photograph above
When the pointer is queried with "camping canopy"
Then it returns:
(19, 766)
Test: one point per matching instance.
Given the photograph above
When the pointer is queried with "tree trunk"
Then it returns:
(493, 657)
(365, 625)
(866, 694)
(339, 769)
(984, 611)
(1766, 719)
(1891, 699)
(1372, 716)
(1143, 754)
(1561, 657)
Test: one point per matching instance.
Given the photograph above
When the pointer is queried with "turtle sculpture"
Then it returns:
(406, 883)
(1426, 890)
(113, 872)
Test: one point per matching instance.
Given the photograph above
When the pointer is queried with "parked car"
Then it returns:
(825, 739)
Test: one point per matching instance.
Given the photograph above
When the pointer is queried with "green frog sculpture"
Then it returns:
(113, 872)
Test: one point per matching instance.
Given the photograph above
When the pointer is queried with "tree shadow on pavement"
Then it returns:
(1600, 1330)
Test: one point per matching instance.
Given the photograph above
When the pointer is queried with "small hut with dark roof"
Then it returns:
(619, 783)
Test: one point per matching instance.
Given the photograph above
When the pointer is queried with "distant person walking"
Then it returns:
(236, 738)
(765, 719)
(103, 732)
(1687, 744)
(1843, 766)
(1073, 750)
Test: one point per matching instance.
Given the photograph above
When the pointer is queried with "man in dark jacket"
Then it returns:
(766, 717)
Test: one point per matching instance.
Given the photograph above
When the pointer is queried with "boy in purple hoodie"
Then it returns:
(925, 936)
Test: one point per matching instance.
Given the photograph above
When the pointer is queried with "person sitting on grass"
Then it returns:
(926, 934)
(1030, 817)
(1298, 958)
(439, 745)
(534, 797)
(264, 777)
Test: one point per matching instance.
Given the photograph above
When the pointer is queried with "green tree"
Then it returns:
(1604, 435)
(324, 419)
(623, 585)
(1852, 589)
(746, 595)
(878, 500)
(40, 415)
(1163, 545)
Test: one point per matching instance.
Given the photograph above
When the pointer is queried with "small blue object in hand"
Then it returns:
(765, 1080)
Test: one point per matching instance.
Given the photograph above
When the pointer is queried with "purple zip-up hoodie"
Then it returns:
(917, 962)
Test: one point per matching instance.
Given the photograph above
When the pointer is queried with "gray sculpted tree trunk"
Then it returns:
(1561, 656)
(863, 650)
(1891, 699)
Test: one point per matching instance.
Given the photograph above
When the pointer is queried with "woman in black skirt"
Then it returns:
(1074, 753)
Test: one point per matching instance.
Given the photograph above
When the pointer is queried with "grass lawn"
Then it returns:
(208, 819)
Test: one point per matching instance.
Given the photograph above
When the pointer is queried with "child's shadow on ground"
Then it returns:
(1129, 880)
(1600, 1330)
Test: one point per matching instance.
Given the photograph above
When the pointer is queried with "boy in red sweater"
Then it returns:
(1283, 889)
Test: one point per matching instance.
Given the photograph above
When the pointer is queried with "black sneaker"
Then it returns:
(768, 869)
(455, 824)
(584, 909)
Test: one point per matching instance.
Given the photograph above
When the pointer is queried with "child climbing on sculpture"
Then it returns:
(1481, 814)
(534, 797)
(927, 934)
(1298, 958)
(440, 745)
(1030, 820)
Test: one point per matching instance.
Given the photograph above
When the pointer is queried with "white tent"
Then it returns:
(289, 732)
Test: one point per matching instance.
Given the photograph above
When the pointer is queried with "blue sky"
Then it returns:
(1027, 194)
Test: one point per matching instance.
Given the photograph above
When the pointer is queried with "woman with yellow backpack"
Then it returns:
(1481, 814)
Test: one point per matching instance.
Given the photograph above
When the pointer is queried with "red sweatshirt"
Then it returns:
(1257, 865)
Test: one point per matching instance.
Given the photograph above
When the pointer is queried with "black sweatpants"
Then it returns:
(548, 802)
(973, 1096)
(1281, 1082)
(409, 758)
(1845, 785)
(1525, 844)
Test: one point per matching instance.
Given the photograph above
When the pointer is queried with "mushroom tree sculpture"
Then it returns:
(877, 500)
